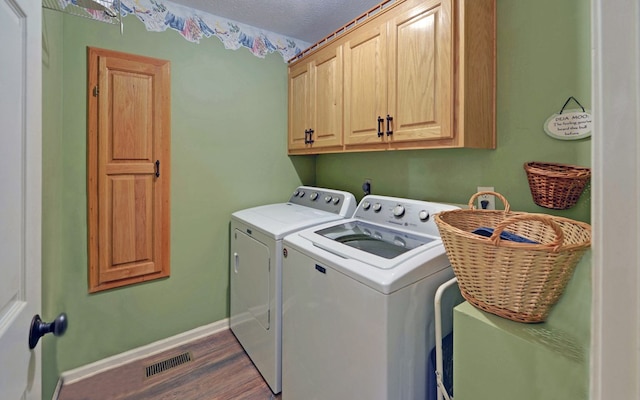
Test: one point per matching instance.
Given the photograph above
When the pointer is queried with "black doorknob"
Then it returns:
(39, 328)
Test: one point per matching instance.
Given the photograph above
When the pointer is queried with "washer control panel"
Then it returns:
(334, 201)
(413, 215)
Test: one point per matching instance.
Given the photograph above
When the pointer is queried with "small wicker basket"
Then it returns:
(556, 186)
(517, 281)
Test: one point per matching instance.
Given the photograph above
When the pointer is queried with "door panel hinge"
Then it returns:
(96, 91)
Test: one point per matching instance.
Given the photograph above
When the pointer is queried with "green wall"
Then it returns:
(229, 152)
(229, 116)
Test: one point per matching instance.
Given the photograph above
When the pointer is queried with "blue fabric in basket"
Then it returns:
(505, 235)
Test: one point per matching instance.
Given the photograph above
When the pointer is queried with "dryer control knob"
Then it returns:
(398, 210)
(313, 196)
(327, 199)
(302, 193)
(424, 215)
(377, 207)
(366, 205)
(336, 200)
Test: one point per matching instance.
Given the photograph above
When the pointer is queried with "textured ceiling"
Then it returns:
(307, 20)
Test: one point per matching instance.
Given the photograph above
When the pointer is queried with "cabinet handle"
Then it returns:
(308, 134)
(311, 136)
(157, 168)
(380, 126)
(389, 119)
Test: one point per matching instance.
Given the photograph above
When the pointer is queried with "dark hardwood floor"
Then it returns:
(219, 369)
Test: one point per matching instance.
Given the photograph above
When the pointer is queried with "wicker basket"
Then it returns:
(517, 281)
(556, 186)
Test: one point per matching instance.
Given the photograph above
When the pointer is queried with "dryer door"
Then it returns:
(250, 283)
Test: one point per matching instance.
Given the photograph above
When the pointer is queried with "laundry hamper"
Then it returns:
(515, 280)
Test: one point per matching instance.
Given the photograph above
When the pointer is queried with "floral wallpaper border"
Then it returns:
(194, 25)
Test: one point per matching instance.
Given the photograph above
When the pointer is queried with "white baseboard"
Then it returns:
(117, 360)
(56, 392)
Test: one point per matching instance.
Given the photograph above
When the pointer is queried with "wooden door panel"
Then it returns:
(299, 105)
(132, 102)
(365, 86)
(327, 99)
(420, 100)
(131, 214)
(129, 138)
(416, 80)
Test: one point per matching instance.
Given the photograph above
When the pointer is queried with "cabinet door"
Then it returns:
(299, 104)
(129, 169)
(326, 98)
(365, 85)
(420, 91)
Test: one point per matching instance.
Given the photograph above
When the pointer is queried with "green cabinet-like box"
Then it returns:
(498, 359)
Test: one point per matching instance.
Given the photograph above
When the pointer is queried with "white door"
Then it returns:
(615, 313)
(20, 194)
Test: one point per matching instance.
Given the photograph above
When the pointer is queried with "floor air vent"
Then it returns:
(172, 362)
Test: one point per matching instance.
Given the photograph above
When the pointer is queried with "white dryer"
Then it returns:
(358, 309)
(256, 269)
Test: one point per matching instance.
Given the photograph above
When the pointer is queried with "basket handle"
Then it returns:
(504, 201)
(556, 244)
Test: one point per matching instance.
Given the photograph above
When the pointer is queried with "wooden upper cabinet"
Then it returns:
(419, 74)
(129, 168)
(315, 102)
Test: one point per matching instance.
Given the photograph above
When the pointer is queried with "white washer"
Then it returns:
(358, 303)
(256, 269)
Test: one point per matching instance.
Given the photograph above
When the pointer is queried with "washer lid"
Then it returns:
(376, 245)
(372, 239)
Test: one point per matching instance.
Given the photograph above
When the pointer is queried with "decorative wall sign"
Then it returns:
(569, 124)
